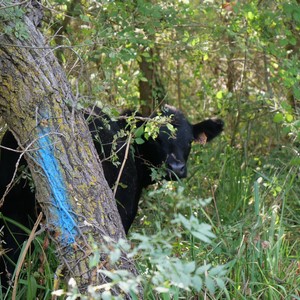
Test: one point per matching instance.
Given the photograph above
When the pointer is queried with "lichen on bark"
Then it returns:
(34, 92)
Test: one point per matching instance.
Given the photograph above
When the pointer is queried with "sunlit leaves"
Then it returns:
(200, 231)
(11, 20)
(278, 117)
(170, 272)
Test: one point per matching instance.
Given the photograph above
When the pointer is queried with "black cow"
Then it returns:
(169, 149)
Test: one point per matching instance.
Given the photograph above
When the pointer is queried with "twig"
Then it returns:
(9, 186)
(215, 204)
(13, 5)
(123, 164)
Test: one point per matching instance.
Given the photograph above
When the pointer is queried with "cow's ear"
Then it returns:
(206, 130)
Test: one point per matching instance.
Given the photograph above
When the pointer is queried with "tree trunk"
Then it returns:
(151, 88)
(146, 85)
(60, 28)
(293, 51)
(70, 185)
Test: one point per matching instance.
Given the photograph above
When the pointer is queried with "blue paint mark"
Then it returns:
(59, 198)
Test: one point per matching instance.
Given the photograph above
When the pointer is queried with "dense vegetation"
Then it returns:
(231, 230)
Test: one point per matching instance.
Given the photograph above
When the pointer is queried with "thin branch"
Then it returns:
(267, 75)
(123, 164)
(12, 5)
(10, 185)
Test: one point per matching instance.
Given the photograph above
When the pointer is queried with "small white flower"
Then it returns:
(72, 283)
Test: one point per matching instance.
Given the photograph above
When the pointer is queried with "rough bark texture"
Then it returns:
(146, 86)
(152, 91)
(294, 51)
(70, 184)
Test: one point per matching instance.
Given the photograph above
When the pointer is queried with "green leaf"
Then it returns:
(278, 118)
(94, 260)
(139, 132)
(250, 15)
(170, 127)
(139, 141)
(146, 54)
(219, 95)
(289, 118)
(293, 41)
(220, 283)
(115, 255)
(144, 79)
(32, 288)
(210, 284)
(201, 236)
(296, 16)
(203, 269)
(295, 161)
(190, 267)
(106, 295)
(217, 271)
(197, 283)
(84, 18)
(161, 289)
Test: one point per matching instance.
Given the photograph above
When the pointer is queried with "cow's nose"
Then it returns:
(178, 168)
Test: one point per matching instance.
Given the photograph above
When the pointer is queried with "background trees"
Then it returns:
(238, 60)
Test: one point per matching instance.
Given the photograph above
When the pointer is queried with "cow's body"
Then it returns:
(173, 152)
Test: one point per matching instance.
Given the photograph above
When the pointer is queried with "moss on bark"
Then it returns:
(34, 90)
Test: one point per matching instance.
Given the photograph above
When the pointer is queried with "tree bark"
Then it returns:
(293, 51)
(70, 184)
(152, 91)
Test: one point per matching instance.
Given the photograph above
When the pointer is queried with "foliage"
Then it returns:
(36, 278)
(164, 271)
(11, 20)
(238, 60)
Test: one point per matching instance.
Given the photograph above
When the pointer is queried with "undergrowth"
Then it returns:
(230, 231)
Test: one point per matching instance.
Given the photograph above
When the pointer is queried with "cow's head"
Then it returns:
(173, 149)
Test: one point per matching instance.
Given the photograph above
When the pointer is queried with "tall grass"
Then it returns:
(36, 271)
(254, 212)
